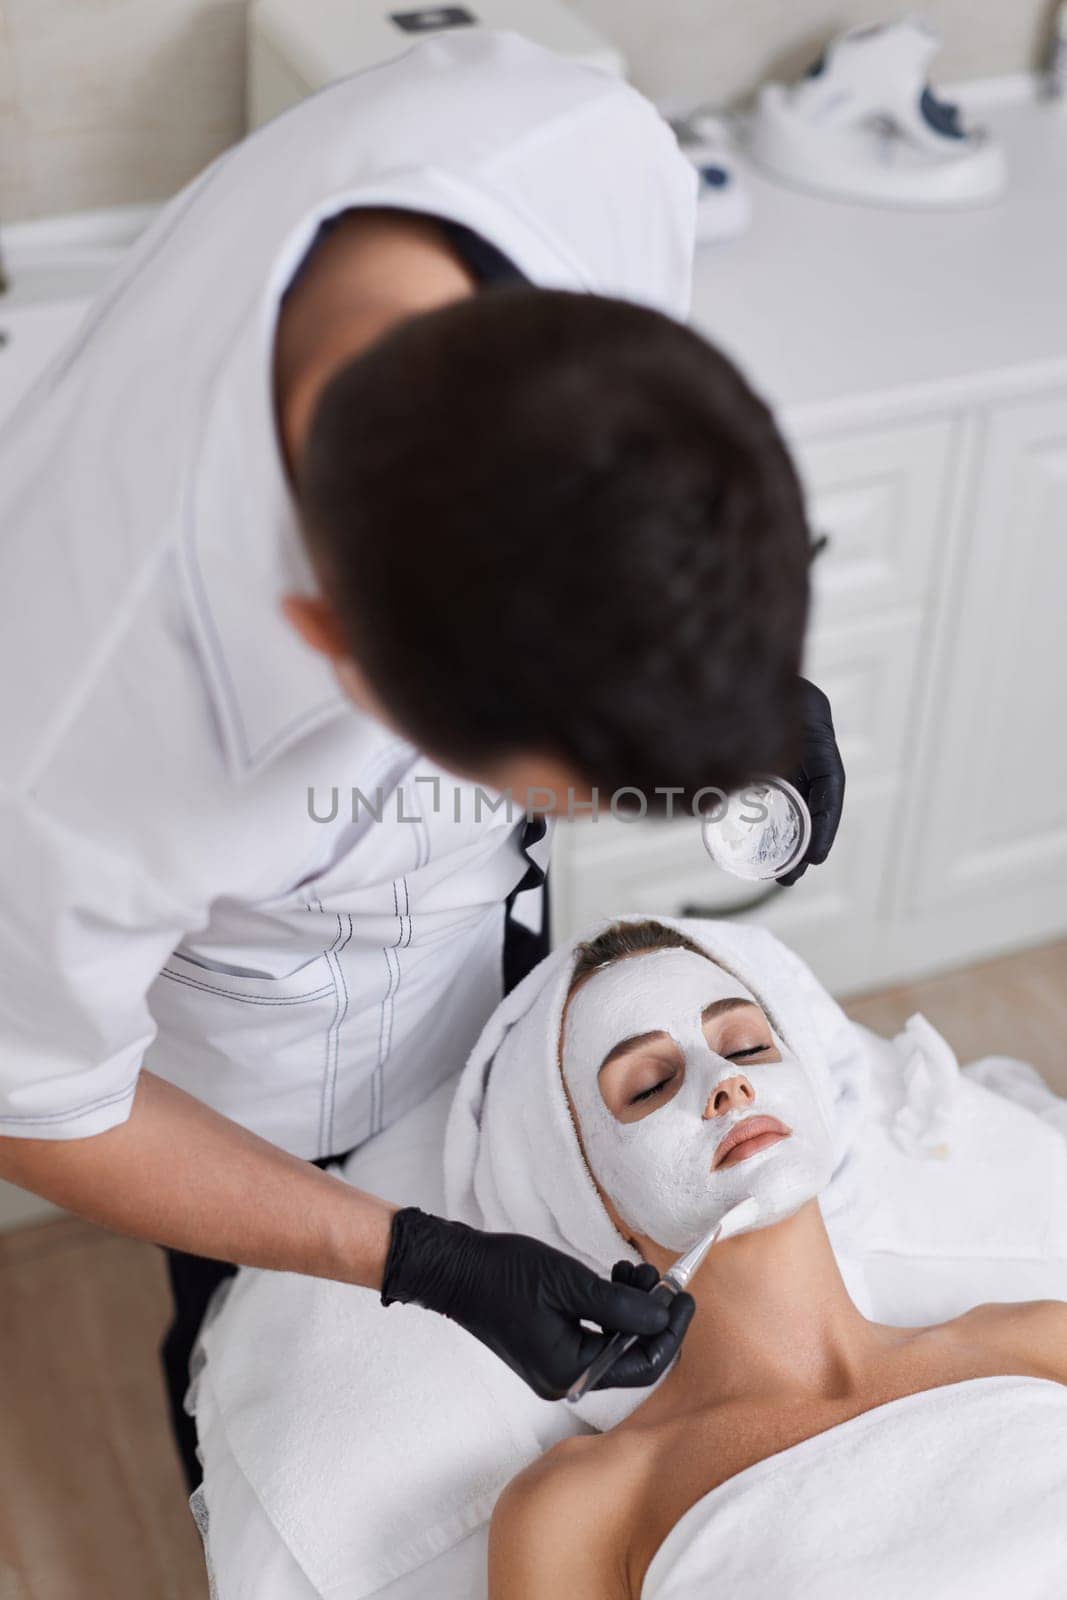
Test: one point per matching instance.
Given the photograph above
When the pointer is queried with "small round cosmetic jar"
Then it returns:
(760, 831)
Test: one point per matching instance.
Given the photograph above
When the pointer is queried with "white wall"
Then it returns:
(110, 101)
(689, 49)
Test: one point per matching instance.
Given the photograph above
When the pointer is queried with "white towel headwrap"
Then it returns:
(512, 1159)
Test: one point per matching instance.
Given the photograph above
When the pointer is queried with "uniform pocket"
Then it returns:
(310, 981)
(254, 1046)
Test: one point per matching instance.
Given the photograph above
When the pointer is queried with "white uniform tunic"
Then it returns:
(165, 896)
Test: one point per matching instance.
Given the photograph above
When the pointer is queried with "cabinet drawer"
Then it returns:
(878, 498)
(868, 671)
(992, 826)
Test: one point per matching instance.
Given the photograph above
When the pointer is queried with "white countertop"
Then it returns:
(841, 314)
(57, 260)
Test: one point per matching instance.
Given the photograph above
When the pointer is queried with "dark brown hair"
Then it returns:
(626, 939)
(563, 523)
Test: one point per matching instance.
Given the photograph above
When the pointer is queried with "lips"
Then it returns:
(741, 1132)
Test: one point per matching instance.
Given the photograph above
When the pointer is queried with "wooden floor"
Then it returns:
(92, 1503)
(1015, 1006)
(92, 1506)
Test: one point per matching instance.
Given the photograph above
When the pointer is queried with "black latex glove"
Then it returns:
(820, 778)
(525, 1301)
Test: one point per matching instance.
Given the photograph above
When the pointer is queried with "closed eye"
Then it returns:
(735, 1055)
(646, 1094)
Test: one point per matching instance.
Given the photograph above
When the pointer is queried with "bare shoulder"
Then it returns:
(556, 1528)
(1032, 1333)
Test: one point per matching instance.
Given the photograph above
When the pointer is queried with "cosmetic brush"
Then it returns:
(677, 1277)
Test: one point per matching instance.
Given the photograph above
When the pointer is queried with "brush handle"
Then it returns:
(663, 1291)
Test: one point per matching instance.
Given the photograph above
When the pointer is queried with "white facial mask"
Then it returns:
(657, 1171)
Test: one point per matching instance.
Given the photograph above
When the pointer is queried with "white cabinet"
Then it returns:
(879, 499)
(938, 632)
(987, 838)
(1004, 731)
(917, 363)
(607, 868)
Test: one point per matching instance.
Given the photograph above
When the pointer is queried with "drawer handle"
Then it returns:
(819, 543)
(720, 913)
(5, 338)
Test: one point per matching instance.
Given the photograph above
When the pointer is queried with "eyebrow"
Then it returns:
(717, 1008)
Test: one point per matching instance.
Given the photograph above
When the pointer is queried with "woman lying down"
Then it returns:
(795, 1448)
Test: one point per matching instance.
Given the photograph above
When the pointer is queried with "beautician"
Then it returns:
(385, 479)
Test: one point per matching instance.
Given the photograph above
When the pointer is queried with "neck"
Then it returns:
(773, 1317)
(373, 271)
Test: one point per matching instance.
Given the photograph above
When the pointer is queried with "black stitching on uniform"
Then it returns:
(411, 920)
(392, 963)
(327, 1071)
(340, 1013)
(402, 941)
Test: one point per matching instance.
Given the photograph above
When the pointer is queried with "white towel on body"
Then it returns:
(957, 1493)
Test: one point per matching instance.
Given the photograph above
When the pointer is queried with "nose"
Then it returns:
(728, 1095)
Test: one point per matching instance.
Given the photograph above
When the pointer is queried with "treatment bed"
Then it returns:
(954, 1192)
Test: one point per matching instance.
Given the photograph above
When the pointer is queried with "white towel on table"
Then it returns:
(1019, 1081)
(957, 1493)
(374, 1438)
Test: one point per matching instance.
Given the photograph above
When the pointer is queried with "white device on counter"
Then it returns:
(297, 46)
(724, 206)
(865, 125)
